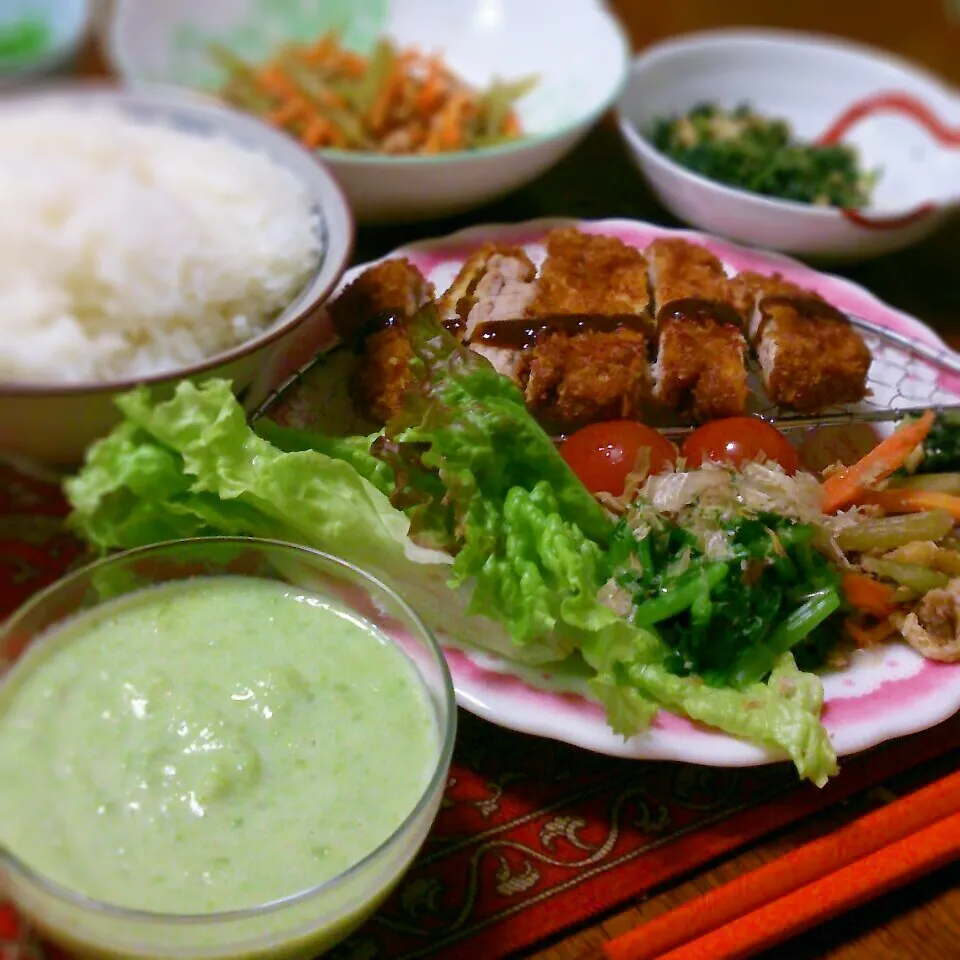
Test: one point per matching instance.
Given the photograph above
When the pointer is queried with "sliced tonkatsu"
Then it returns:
(592, 303)
(810, 355)
(575, 338)
(578, 338)
(370, 314)
(701, 348)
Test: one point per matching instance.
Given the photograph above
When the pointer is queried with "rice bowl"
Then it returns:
(115, 295)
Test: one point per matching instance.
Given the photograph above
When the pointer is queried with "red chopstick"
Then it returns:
(761, 907)
(899, 863)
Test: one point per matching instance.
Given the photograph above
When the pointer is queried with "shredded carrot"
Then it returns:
(847, 486)
(316, 133)
(321, 51)
(352, 64)
(511, 126)
(910, 500)
(451, 134)
(868, 636)
(432, 93)
(294, 109)
(274, 81)
(868, 595)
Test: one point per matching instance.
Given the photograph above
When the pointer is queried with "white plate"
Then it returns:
(885, 693)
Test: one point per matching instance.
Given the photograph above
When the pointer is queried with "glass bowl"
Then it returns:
(303, 924)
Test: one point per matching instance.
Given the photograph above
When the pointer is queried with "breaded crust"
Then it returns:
(573, 380)
(394, 287)
(592, 275)
(374, 308)
(811, 357)
(382, 374)
(681, 270)
(700, 368)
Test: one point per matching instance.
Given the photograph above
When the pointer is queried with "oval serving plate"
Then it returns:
(880, 694)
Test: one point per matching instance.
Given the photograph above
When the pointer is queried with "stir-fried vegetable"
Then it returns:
(845, 487)
(933, 482)
(394, 101)
(743, 149)
(913, 501)
(868, 636)
(910, 575)
(867, 595)
(885, 533)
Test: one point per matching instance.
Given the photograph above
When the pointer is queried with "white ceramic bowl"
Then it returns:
(53, 425)
(809, 80)
(67, 22)
(575, 47)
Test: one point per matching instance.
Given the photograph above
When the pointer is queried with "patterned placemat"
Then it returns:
(533, 836)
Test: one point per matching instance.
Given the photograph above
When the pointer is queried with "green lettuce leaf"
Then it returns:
(783, 712)
(352, 450)
(464, 440)
(192, 466)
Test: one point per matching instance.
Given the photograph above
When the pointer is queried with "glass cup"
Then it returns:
(306, 923)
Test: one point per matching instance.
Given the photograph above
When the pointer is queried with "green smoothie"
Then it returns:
(209, 745)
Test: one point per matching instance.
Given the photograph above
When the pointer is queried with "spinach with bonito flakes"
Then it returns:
(743, 149)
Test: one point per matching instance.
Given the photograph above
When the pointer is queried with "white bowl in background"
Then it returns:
(576, 48)
(52, 425)
(809, 80)
(67, 22)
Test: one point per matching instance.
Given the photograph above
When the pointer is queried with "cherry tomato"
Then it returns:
(603, 454)
(737, 439)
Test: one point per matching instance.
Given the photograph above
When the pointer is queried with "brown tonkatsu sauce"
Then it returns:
(383, 321)
(522, 334)
(454, 325)
(809, 308)
(357, 336)
(698, 309)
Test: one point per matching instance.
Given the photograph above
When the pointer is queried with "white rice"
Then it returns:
(128, 250)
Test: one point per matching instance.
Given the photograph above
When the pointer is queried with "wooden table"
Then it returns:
(598, 180)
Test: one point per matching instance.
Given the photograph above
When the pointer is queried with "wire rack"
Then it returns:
(906, 377)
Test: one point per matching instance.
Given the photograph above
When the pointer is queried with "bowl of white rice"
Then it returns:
(147, 237)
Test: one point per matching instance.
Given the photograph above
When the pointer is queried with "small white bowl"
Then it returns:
(52, 425)
(809, 80)
(67, 22)
(576, 48)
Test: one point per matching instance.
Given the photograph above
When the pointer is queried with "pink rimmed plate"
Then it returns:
(880, 694)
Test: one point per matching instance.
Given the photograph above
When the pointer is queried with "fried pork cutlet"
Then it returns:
(371, 312)
(810, 355)
(701, 349)
(590, 317)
